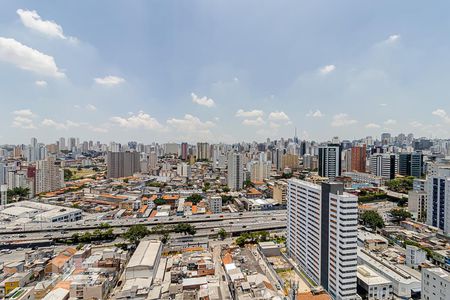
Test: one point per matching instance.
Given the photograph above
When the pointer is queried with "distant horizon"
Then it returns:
(375, 139)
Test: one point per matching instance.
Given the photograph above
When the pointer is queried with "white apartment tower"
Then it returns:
(438, 202)
(383, 165)
(322, 235)
(235, 171)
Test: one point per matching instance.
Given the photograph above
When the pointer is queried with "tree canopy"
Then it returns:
(136, 233)
(400, 185)
(372, 219)
(400, 214)
(194, 198)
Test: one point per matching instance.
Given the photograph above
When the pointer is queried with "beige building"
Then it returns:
(289, 161)
(279, 192)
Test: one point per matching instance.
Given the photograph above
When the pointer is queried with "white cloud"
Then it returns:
(315, 114)
(23, 119)
(98, 129)
(32, 20)
(91, 107)
(442, 114)
(24, 113)
(372, 125)
(383, 104)
(278, 116)
(139, 120)
(40, 83)
(327, 69)
(57, 125)
(109, 80)
(342, 119)
(254, 122)
(392, 38)
(191, 123)
(415, 124)
(204, 101)
(249, 114)
(390, 122)
(26, 58)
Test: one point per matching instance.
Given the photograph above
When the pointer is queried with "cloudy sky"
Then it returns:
(224, 70)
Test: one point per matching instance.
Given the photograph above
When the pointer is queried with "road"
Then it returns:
(93, 224)
(210, 227)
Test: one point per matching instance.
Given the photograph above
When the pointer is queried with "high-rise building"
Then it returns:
(322, 234)
(49, 176)
(438, 207)
(410, 164)
(289, 161)
(235, 171)
(152, 160)
(62, 143)
(171, 148)
(358, 160)
(260, 169)
(330, 161)
(184, 151)
(184, 170)
(203, 151)
(383, 165)
(385, 138)
(122, 164)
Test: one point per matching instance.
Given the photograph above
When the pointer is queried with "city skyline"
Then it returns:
(228, 75)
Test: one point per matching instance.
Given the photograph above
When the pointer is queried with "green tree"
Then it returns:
(105, 225)
(286, 175)
(185, 228)
(226, 199)
(194, 198)
(67, 174)
(225, 189)
(159, 201)
(400, 214)
(165, 238)
(400, 185)
(372, 219)
(18, 193)
(248, 183)
(222, 234)
(136, 233)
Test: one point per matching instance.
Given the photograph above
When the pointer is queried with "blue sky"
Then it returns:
(223, 70)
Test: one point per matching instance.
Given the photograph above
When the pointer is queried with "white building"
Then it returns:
(405, 284)
(438, 207)
(235, 171)
(414, 256)
(215, 204)
(375, 286)
(259, 170)
(145, 260)
(184, 170)
(322, 234)
(435, 284)
(383, 165)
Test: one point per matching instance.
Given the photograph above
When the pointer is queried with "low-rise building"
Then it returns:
(373, 286)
